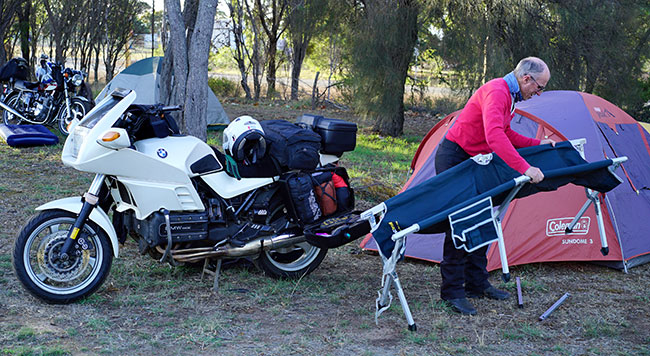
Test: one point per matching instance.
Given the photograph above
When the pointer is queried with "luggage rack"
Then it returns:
(474, 222)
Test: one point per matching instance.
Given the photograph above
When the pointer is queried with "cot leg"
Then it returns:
(569, 228)
(384, 298)
(502, 253)
(404, 303)
(601, 227)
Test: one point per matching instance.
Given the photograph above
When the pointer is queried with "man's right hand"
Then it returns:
(535, 174)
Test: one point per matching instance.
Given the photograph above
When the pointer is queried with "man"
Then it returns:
(483, 126)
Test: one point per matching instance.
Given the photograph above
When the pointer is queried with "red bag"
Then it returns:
(326, 196)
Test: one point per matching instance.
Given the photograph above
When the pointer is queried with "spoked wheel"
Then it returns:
(9, 118)
(290, 262)
(44, 274)
(78, 109)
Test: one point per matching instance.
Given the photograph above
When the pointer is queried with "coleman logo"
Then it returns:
(556, 227)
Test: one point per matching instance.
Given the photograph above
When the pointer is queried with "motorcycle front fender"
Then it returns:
(82, 98)
(98, 216)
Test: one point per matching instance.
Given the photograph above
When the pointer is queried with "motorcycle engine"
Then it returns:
(41, 107)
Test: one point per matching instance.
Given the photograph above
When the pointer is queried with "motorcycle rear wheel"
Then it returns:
(9, 118)
(291, 262)
(47, 277)
(78, 109)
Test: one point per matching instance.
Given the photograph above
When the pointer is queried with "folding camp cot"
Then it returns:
(464, 198)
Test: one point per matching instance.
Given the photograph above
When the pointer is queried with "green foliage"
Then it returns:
(380, 165)
(223, 87)
(595, 47)
(380, 44)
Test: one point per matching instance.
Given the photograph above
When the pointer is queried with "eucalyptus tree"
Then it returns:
(306, 19)
(63, 17)
(240, 52)
(271, 14)
(7, 16)
(185, 69)
(119, 23)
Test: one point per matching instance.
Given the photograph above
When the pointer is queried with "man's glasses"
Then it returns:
(539, 87)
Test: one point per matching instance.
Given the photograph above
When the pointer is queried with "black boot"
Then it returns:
(490, 292)
(461, 305)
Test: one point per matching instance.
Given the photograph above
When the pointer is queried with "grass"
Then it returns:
(148, 308)
(380, 165)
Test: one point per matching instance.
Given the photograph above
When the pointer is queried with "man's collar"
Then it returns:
(513, 86)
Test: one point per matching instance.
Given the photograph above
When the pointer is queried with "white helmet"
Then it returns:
(244, 140)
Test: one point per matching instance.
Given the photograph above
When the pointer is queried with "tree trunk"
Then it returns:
(299, 52)
(270, 69)
(23, 24)
(256, 62)
(197, 78)
(237, 17)
(189, 64)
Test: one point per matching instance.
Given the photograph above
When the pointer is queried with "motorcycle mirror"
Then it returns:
(115, 139)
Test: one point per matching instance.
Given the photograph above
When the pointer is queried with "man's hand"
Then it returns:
(535, 174)
(547, 140)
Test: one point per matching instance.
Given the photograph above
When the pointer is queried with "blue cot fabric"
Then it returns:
(27, 135)
(430, 202)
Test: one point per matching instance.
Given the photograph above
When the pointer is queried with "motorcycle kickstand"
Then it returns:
(216, 273)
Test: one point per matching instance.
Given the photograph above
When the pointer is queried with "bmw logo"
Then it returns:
(162, 153)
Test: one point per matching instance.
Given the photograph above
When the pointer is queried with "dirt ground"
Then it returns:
(146, 308)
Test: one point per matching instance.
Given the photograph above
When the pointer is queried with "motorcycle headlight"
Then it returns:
(77, 79)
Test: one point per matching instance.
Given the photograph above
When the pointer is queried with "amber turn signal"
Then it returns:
(110, 136)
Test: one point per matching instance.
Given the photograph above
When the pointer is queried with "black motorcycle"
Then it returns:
(53, 100)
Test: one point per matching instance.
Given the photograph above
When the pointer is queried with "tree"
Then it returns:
(119, 23)
(186, 58)
(305, 19)
(63, 16)
(24, 12)
(7, 14)
(381, 43)
(271, 15)
(596, 47)
(240, 53)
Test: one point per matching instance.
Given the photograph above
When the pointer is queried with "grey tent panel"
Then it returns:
(144, 66)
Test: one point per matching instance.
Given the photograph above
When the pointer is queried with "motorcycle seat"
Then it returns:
(25, 85)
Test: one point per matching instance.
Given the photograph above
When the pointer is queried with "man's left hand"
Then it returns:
(547, 140)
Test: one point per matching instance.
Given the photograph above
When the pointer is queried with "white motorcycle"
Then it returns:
(181, 200)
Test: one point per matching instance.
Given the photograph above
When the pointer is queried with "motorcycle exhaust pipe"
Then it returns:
(14, 112)
(227, 251)
(257, 246)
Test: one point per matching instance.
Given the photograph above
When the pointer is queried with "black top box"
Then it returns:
(337, 136)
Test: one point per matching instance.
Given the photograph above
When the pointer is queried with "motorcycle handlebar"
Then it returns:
(171, 108)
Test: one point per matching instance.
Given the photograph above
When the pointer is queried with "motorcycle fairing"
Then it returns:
(228, 187)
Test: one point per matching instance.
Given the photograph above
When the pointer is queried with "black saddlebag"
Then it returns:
(337, 231)
(300, 188)
(291, 145)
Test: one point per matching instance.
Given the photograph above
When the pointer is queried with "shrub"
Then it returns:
(223, 87)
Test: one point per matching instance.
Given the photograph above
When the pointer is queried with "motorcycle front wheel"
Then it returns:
(291, 262)
(38, 266)
(78, 109)
(9, 118)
